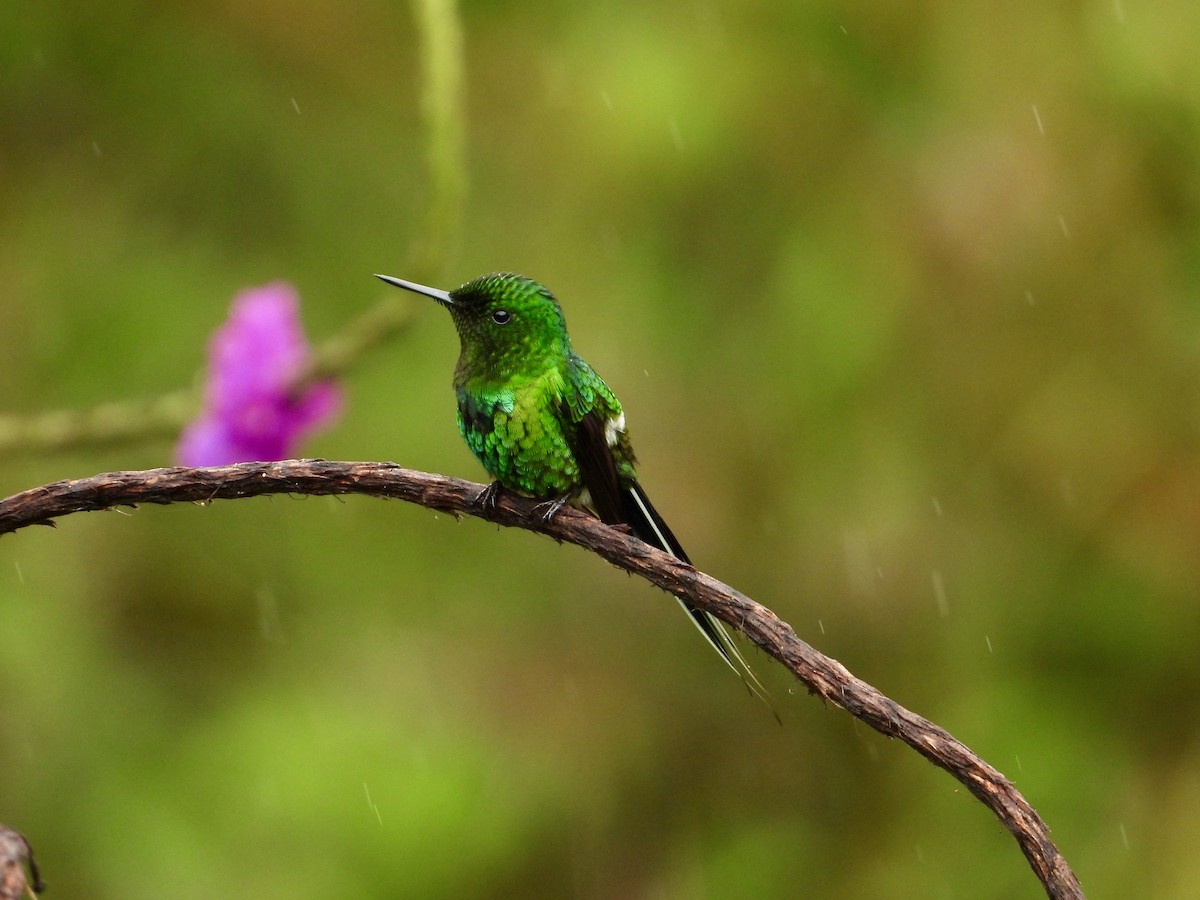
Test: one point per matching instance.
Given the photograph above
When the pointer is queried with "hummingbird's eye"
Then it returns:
(501, 316)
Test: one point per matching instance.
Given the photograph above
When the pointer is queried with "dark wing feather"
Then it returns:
(597, 468)
(617, 504)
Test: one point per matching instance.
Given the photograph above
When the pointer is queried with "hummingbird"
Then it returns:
(546, 426)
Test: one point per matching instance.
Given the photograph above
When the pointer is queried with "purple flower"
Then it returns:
(251, 412)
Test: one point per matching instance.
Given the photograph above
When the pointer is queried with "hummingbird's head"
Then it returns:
(506, 323)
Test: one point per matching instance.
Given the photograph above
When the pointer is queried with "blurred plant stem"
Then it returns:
(126, 420)
(443, 113)
(444, 117)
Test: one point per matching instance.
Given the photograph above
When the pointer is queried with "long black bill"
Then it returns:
(442, 297)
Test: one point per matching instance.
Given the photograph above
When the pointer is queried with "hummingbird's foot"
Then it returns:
(550, 508)
(486, 499)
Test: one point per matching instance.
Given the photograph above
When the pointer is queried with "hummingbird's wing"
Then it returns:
(616, 503)
(597, 467)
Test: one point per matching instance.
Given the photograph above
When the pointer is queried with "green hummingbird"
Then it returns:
(545, 425)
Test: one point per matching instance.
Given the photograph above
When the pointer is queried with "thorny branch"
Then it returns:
(823, 676)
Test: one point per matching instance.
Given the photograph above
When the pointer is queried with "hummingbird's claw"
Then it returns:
(486, 499)
(550, 508)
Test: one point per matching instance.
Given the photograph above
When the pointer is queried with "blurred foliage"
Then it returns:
(902, 301)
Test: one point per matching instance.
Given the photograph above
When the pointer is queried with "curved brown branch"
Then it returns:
(822, 675)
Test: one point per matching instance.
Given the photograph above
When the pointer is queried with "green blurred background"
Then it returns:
(903, 302)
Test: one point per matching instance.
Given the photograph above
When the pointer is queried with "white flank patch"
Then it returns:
(613, 429)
